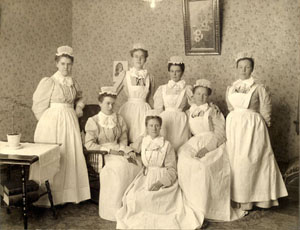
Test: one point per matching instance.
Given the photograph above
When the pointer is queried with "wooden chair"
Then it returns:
(92, 156)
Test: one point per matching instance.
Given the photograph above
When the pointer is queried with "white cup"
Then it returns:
(14, 140)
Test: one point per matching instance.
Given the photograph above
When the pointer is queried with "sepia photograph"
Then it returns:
(149, 114)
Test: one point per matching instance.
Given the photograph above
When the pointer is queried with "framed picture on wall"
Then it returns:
(201, 27)
(118, 67)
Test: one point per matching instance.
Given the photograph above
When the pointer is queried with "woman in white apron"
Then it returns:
(138, 85)
(107, 131)
(256, 179)
(172, 100)
(53, 106)
(203, 164)
(154, 199)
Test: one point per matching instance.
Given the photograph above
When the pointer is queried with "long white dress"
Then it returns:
(171, 99)
(53, 106)
(109, 132)
(205, 181)
(138, 86)
(256, 178)
(162, 209)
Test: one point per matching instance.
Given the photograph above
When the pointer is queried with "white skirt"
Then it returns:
(115, 177)
(206, 181)
(134, 113)
(59, 124)
(255, 173)
(174, 127)
(162, 209)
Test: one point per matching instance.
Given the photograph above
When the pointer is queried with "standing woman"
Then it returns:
(172, 99)
(256, 179)
(53, 106)
(138, 85)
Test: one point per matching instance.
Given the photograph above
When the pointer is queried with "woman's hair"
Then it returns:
(148, 118)
(103, 95)
(246, 58)
(57, 58)
(182, 66)
(144, 51)
(209, 91)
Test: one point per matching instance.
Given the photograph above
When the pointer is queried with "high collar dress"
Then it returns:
(53, 106)
(256, 179)
(209, 175)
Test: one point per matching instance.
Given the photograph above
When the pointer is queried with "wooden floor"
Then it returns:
(85, 216)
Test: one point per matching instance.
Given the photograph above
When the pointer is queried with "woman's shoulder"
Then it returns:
(214, 109)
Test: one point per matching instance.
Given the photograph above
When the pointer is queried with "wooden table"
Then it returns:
(29, 155)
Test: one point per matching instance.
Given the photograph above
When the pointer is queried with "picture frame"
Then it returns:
(201, 27)
(118, 67)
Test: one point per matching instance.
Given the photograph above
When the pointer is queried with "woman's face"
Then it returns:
(64, 66)
(153, 128)
(175, 73)
(244, 69)
(138, 59)
(200, 95)
(107, 105)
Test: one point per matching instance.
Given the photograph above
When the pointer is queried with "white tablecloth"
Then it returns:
(47, 165)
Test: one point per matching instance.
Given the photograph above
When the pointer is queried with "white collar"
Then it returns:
(107, 121)
(62, 79)
(247, 82)
(177, 85)
(152, 144)
(142, 73)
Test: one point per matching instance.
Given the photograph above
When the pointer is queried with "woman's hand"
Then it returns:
(115, 152)
(156, 186)
(79, 111)
(202, 152)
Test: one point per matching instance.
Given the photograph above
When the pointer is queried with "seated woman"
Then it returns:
(154, 199)
(203, 165)
(107, 131)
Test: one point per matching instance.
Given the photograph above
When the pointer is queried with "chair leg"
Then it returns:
(50, 199)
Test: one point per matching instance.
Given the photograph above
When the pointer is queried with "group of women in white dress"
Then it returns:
(172, 159)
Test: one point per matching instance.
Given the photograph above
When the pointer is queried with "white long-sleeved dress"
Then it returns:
(109, 132)
(162, 209)
(138, 86)
(171, 99)
(256, 179)
(206, 181)
(53, 106)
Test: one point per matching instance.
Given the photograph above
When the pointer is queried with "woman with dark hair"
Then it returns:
(138, 85)
(172, 99)
(107, 131)
(53, 106)
(256, 179)
(203, 164)
(154, 199)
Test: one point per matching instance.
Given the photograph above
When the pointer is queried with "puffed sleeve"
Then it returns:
(158, 99)
(265, 105)
(79, 96)
(189, 94)
(123, 139)
(229, 106)
(91, 136)
(217, 123)
(170, 164)
(41, 97)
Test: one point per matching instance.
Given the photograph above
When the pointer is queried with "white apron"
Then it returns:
(255, 173)
(174, 126)
(134, 110)
(206, 182)
(162, 209)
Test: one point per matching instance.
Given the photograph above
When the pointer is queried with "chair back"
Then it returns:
(88, 111)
